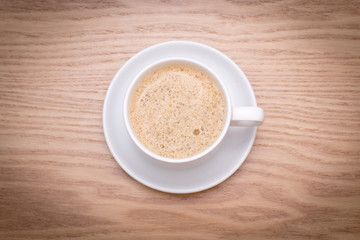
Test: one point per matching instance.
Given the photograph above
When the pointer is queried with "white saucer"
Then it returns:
(187, 177)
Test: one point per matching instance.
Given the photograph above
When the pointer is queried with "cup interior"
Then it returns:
(163, 63)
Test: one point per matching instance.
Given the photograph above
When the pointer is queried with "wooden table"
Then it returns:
(58, 179)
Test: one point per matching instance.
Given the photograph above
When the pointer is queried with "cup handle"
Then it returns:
(247, 116)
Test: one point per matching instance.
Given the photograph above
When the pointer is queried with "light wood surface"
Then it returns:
(58, 180)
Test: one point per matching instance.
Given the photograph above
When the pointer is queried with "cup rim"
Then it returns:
(164, 62)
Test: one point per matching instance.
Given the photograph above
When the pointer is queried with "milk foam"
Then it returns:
(177, 111)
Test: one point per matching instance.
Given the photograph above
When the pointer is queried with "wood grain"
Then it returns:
(58, 179)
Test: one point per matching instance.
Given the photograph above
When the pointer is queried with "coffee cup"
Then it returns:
(234, 116)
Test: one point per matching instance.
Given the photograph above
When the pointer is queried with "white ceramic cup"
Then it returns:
(235, 115)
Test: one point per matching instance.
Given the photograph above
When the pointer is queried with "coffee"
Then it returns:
(177, 111)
